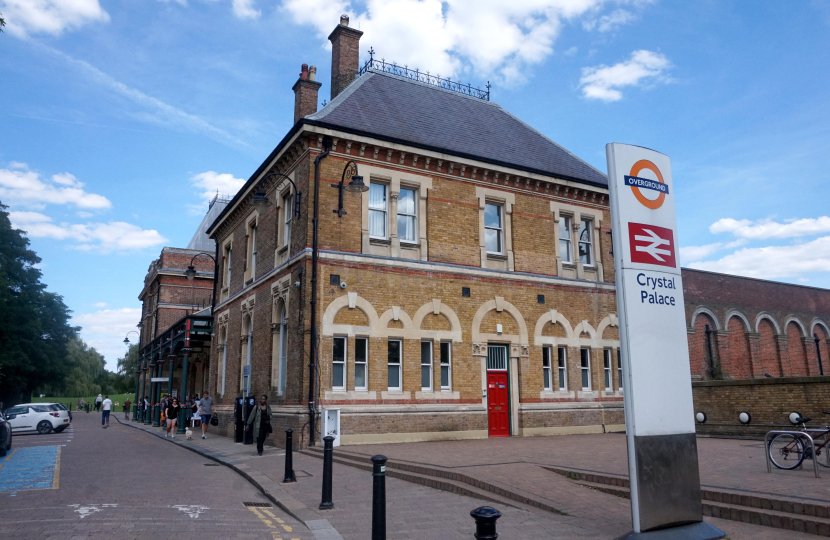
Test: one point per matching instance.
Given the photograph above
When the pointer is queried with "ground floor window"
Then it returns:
(426, 366)
(446, 352)
(585, 365)
(394, 355)
(619, 370)
(562, 367)
(546, 373)
(606, 365)
(338, 364)
(361, 356)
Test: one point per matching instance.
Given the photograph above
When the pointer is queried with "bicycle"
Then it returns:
(788, 451)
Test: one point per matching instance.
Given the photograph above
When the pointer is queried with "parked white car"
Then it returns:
(41, 417)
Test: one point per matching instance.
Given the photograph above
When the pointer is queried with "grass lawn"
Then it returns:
(116, 398)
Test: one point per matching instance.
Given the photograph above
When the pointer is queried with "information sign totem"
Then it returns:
(659, 415)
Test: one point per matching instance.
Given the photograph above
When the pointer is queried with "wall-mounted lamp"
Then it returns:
(356, 185)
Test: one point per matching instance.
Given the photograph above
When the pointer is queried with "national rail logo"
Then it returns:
(636, 183)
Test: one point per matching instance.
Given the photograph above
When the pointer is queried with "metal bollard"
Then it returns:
(486, 517)
(378, 497)
(289, 457)
(328, 442)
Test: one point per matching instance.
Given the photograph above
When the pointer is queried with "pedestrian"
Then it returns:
(205, 411)
(172, 413)
(188, 410)
(98, 402)
(105, 413)
(260, 420)
(127, 409)
(146, 405)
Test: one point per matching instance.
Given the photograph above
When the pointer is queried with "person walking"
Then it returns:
(98, 402)
(127, 409)
(260, 420)
(205, 411)
(172, 413)
(105, 413)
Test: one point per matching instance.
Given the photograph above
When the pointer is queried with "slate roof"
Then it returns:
(398, 109)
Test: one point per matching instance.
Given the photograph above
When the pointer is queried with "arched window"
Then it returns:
(249, 351)
(224, 345)
(283, 350)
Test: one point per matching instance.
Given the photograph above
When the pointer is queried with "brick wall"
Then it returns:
(768, 401)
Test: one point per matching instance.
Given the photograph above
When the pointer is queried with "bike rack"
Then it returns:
(801, 434)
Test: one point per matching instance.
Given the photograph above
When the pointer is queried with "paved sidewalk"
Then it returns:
(415, 511)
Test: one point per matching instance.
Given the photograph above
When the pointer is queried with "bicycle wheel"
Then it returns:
(786, 451)
(822, 449)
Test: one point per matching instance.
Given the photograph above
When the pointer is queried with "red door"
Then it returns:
(498, 411)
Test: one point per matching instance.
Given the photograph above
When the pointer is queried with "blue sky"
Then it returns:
(120, 117)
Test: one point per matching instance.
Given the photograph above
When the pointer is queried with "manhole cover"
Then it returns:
(257, 504)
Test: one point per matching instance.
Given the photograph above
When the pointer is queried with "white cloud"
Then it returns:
(244, 9)
(24, 17)
(603, 82)
(488, 37)
(695, 253)
(106, 329)
(103, 237)
(766, 228)
(21, 186)
(211, 181)
(99, 304)
(610, 21)
(774, 261)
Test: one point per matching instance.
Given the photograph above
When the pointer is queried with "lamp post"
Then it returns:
(190, 273)
(260, 200)
(127, 343)
(356, 185)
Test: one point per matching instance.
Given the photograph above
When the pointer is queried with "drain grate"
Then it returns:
(211, 464)
(257, 504)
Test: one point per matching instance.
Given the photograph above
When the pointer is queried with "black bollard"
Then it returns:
(378, 497)
(328, 442)
(486, 517)
(289, 457)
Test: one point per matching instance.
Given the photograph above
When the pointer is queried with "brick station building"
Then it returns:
(468, 292)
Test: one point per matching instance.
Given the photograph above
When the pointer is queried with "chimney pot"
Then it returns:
(304, 71)
(312, 73)
(344, 20)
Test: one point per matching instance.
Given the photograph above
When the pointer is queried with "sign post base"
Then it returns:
(693, 531)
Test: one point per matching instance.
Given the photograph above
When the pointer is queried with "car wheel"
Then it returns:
(44, 427)
(60, 429)
(5, 449)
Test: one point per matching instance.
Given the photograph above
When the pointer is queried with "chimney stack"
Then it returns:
(305, 92)
(345, 55)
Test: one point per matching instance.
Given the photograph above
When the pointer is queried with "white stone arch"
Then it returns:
(822, 323)
(610, 320)
(798, 323)
(764, 315)
(351, 301)
(708, 312)
(553, 317)
(499, 304)
(586, 327)
(740, 316)
(397, 314)
(436, 307)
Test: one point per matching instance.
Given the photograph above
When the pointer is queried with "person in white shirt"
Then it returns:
(105, 413)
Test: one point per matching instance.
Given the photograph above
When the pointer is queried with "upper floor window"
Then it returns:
(407, 215)
(251, 262)
(586, 247)
(338, 364)
(377, 210)
(494, 228)
(228, 253)
(565, 251)
(288, 209)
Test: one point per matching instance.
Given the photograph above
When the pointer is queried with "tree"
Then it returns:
(2, 23)
(34, 323)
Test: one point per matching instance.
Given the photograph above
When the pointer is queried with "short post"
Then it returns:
(379, 497)
(328, 444)
(486, 517)
(289, 457)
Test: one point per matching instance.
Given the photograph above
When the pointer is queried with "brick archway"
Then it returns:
(768, 348)
(699, 350)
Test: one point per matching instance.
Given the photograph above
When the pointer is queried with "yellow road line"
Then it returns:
(268, 522)
(56, 480)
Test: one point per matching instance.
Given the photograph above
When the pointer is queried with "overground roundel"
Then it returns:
(635, 171)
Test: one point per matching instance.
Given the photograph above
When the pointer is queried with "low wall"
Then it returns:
(768, 401)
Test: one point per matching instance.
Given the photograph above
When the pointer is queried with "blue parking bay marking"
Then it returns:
(32, 468)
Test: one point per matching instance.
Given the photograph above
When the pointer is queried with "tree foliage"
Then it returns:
(2, 23)
(34, 323)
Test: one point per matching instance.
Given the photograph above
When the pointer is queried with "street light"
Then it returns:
(191, 271)
(260, 200)
(356, 185)
(127, 339)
